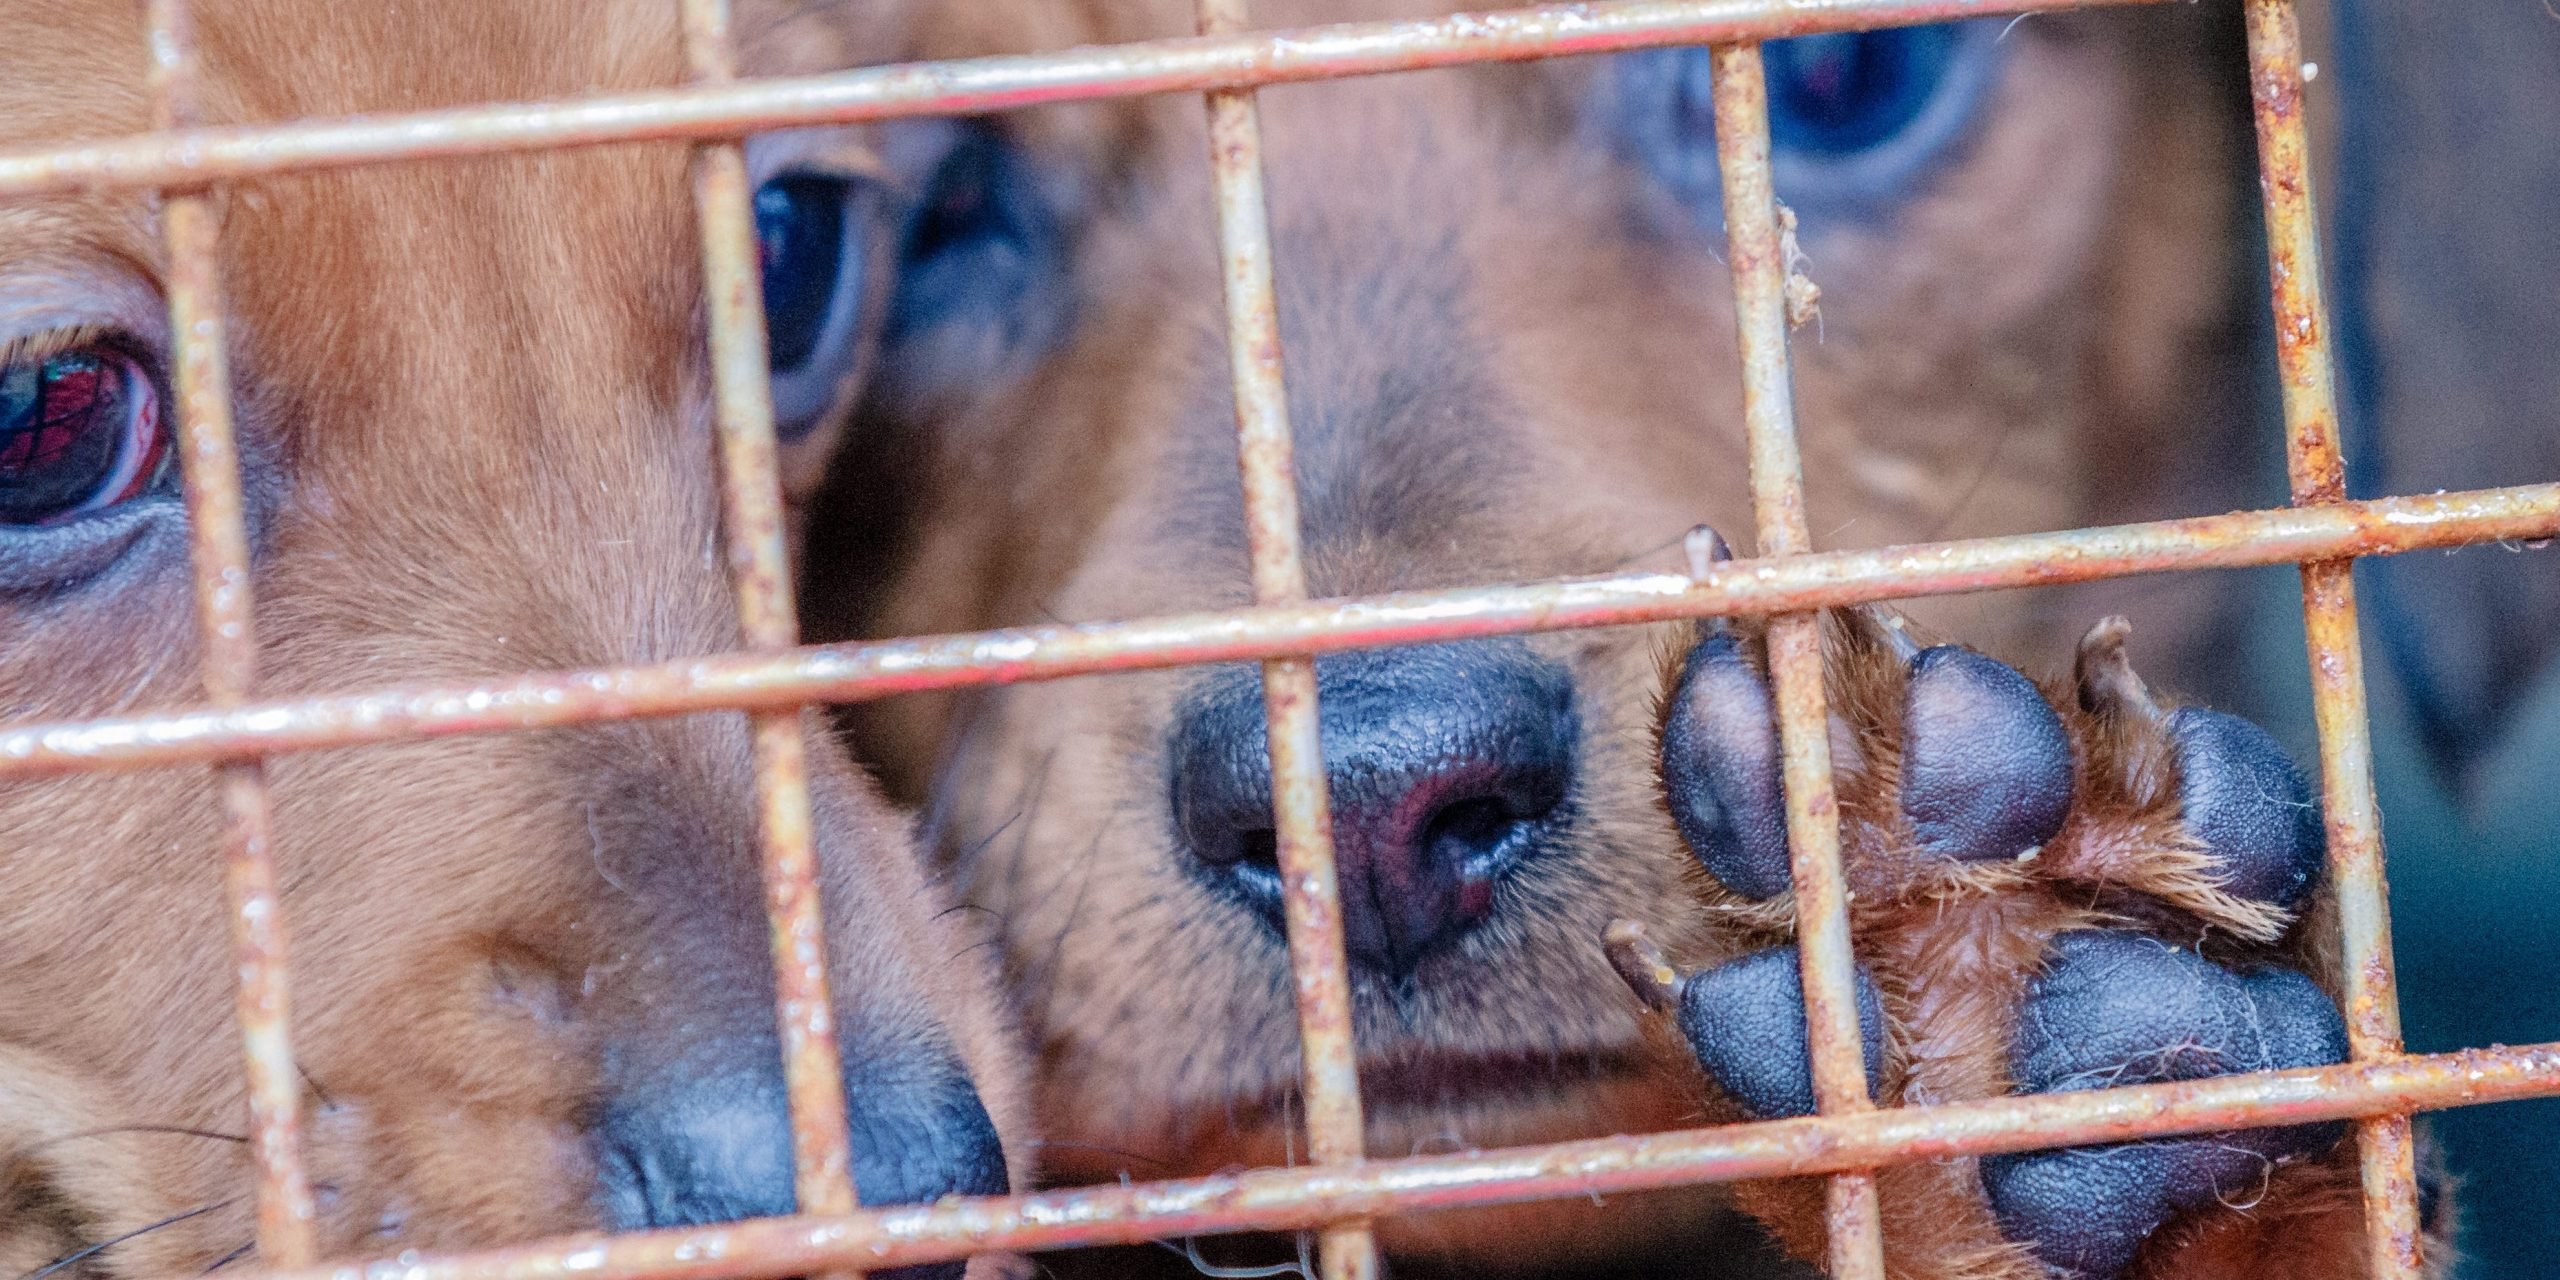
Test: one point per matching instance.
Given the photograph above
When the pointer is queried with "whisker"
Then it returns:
(1190, 1250)
(318, 1090)
(175, 1130)
(82, 1255)
(229, 1258)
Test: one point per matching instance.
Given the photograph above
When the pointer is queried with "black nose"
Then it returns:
(704, 1136)
(1448, 767)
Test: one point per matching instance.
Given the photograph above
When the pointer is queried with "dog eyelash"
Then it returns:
(44, 344)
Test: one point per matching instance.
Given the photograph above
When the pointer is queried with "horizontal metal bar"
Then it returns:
(197, 156)
(1292, 1199)
(858, 672)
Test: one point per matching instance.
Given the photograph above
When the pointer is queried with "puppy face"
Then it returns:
(530, 973)
(1509, 344)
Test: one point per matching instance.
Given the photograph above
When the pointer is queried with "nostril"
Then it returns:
(1480, 831)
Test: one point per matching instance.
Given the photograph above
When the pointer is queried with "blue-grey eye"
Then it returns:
(1855, 117)
(811, 247)
(1851, 90)
(981, 275)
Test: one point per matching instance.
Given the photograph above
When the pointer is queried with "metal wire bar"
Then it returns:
(1194, 64)
(1303, 814)
(846, 673)
(218, 548)
(1292, 1199)
(773, 678)
(2318, 471)
(1855, 1227)
(751, 499)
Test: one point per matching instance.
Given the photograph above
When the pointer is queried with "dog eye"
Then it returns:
(812, 256)
(1849, 91)
(1855, 117)
(981, 270)
(80, 431)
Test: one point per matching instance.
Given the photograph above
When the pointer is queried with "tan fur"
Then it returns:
(475, 416)
(1509, 360)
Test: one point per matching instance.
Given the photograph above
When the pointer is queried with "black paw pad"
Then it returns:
(1745, 1021)
(2241, 796)
(1720, 766)
(1986, 770)
(2120, 1009)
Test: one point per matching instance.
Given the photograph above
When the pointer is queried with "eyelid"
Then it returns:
(44, 344)
(837, 152)
(49, 304)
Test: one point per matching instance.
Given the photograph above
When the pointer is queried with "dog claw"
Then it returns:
(2108, 683)
(1706, 549)
(1646, 970)
(1879, 628)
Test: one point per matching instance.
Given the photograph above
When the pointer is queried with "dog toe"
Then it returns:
(1745, 1020)
(1986, 769)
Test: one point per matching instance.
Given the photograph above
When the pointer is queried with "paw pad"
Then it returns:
(2242, 797)
(2120, 1009)
(1986, 770)
(1720, 766)
(1960, 767)
(1745, 1021)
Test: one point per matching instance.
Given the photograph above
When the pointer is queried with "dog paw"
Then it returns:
(2051, 889)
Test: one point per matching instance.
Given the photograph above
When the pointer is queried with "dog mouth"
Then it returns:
(1506, 1080)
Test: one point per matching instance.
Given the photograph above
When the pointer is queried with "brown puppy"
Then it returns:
(1509, 342)
(530, 972)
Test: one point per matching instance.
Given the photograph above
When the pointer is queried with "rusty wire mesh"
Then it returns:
(774, 677)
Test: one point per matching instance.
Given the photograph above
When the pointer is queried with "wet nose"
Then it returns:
(704, 1136)
(1448, 766)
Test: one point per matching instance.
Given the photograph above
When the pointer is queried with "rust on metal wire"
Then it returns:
(858, 672)
(773, 678)
(2317, 467)
(751, 500)
(1292, 1199)
(1302, 812)
(1756, 251)
(219, 549)
(976, 85)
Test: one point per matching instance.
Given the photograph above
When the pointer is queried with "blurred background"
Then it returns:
(2442, 186)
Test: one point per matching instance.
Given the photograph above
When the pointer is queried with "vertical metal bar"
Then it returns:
(1795, 644)
(218, 548)
(751, 500)
(2316, 464)
(2314, 459)
(1302, 812)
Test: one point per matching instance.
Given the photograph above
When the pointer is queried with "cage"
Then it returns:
(773, 675)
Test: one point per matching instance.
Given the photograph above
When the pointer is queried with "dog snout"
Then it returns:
(703, 1136)
(1448, 767)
